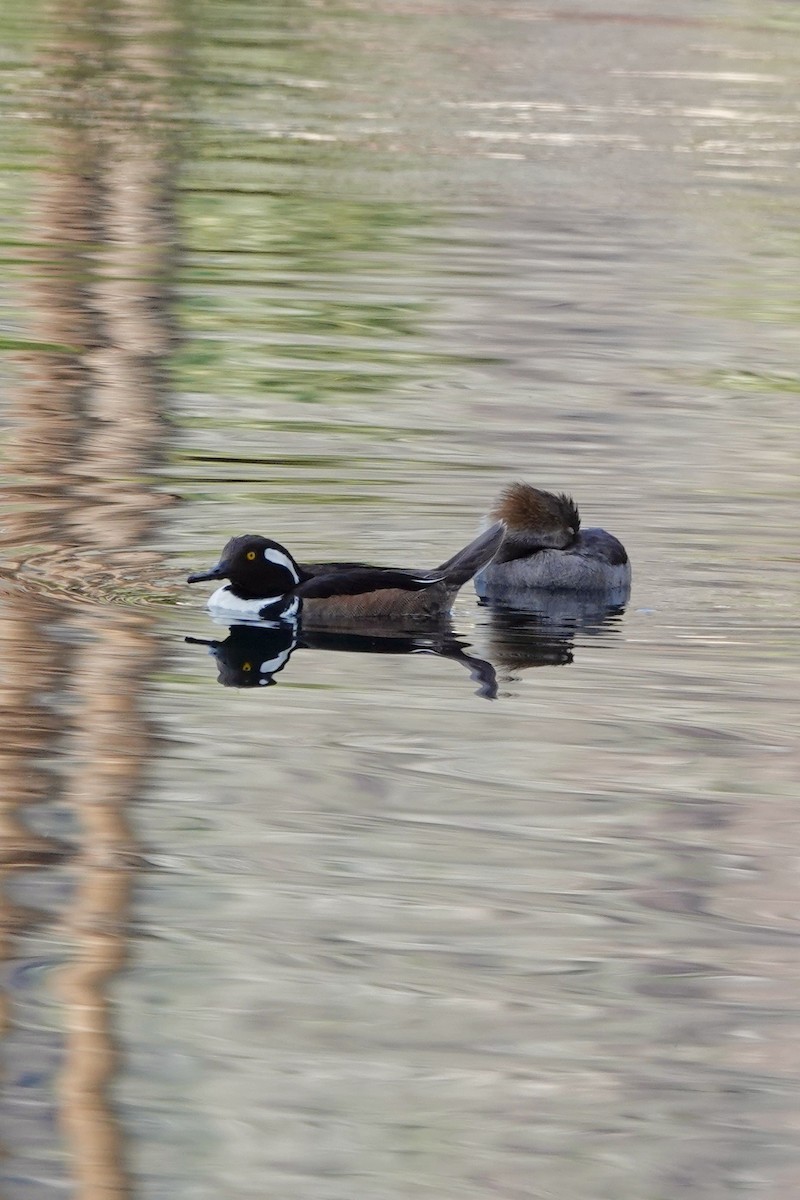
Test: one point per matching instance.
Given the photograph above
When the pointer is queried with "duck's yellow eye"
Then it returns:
(251, 555)
(247, 666)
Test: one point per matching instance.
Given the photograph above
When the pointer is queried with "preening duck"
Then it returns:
(545, 548)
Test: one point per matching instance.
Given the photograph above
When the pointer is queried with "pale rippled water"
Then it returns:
(337, 273)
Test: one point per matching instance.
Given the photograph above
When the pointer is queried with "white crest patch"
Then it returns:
(281, 560)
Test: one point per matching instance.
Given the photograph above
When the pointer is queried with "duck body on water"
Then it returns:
(263, 576)
(534, 543)
(545, 550)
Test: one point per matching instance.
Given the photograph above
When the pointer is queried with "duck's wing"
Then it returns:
(356, 580)
(360, 577)
(335, 568)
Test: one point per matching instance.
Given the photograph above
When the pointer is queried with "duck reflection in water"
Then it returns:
(253, 654)
(543, 633)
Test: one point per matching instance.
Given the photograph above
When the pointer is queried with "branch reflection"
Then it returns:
(88, 436)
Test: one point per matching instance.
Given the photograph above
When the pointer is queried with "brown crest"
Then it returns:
(526, 508)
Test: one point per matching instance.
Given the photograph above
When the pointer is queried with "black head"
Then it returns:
(256, 567)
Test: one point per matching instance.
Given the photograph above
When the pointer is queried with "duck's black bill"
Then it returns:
(220, 571)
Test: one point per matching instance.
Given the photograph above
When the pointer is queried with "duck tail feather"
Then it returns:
(474, 557)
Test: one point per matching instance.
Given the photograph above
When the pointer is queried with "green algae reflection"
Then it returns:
(296, 298)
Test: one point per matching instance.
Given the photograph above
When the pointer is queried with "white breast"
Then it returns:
(226, 604)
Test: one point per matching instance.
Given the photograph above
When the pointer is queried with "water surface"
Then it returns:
(336, 274)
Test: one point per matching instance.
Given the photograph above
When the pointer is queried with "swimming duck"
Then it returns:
(264, 578)
(545, 548)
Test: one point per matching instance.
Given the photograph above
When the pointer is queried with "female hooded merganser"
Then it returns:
(545, 548)
(263, 577)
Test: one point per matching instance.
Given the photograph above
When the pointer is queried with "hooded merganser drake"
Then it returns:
(264, 577)
(545, 548)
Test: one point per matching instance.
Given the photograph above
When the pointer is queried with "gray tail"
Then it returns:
(473, 558)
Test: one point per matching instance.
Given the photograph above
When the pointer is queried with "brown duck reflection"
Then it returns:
(88, 430)
(543, 634)
(252, 655)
